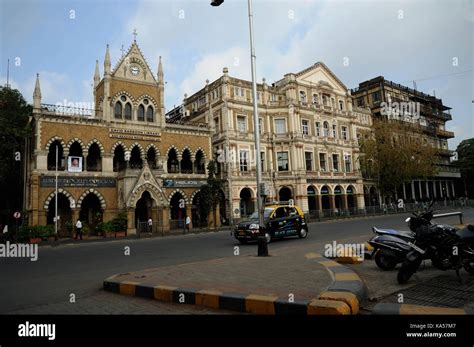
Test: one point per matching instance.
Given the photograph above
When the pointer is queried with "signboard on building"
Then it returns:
(49, 181)
(167, 183)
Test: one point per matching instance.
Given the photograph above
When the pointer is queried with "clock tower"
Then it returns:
(130, 93)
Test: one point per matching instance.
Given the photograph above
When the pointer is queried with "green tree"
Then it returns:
(210, 193)
(14, 112)
(393, 154)
(465, 163)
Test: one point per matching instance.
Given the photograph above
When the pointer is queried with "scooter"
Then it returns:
(391, 246)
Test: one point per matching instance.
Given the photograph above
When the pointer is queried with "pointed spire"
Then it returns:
(96, 74)
(107, 61)
(160, 73)
(37, 93)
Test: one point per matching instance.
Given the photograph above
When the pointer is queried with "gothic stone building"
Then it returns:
(309, 147)
(122, 156)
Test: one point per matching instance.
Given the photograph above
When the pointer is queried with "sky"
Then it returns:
(430, 42)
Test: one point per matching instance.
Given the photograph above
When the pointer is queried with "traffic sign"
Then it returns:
(17, 215)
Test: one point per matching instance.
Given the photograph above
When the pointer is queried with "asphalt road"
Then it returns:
(80, 268)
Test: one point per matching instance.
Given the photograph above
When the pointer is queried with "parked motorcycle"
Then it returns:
(447, 247)
(391, 246)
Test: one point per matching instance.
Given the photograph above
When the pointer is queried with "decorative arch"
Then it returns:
(117, 96)
(51, 140)
(152, 145)
(146, 96)
(194, 194)
(72, 201)
(193, 156)
(343, 190)
(354, 190)
(96, 193)
(253, 193)
(102, 150)
(155, 192)
(78, 140)
(142, 151)
(178, 153)
(330, 189)
(177, 190)
(316, 190)
(116, 144)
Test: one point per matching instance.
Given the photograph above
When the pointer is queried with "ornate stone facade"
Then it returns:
(133, 160)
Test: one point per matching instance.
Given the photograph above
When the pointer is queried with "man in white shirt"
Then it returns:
(78, 229)
(150, 225)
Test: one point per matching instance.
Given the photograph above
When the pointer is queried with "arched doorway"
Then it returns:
(285, 194)
(94, 158)
(64, 213)
(325, 198)
(351, 199)
(312, 199)
(91, 211)
(143, 210)
(246, 203)
(198, 217)
(177, 211)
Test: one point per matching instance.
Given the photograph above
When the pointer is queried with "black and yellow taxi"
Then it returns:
(279, 221)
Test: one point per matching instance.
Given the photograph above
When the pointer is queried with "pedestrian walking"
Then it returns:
(78, 229)
(150, 225)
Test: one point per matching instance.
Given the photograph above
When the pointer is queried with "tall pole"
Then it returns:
(56, 196)
(262, 242)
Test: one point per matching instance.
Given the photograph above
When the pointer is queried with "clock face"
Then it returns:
(134, 70)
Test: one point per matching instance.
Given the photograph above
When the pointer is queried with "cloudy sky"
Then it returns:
(430, 42)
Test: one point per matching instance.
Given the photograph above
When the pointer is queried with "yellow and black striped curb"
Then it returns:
(347, 287)
(252, 303)
(407, 309)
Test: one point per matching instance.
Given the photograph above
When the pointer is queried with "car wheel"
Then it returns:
(303, 233)
(268, 237)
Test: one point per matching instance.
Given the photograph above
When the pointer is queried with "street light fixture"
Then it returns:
(262, 241)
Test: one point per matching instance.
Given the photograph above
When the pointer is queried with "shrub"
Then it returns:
(48, 231)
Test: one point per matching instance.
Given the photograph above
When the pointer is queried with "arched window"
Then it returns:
(326, 129)
(302, 96)
(75, 151)
(151, 158)
(119, 159)
(173, 165)
(199, 166)
(149, 114)
(118, 110)
(128, 111)
(141, 113)
(186, 163)
(52, 156)
(135, 158)
(94, 159)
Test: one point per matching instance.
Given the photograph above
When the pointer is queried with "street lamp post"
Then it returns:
(262, 242)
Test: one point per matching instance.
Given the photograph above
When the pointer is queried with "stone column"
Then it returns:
(344, 201)
(332, 201)
(84, 164)
(441, 190)
(413, 190)
(404, 192)
(131, 227)
(420, 190)
(166, 219)
(427, 190)
(452, 189)
(448, 194)
(320, 206)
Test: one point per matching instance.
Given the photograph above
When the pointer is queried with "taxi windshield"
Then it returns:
(266, 213)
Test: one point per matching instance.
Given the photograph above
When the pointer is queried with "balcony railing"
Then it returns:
(62, 110)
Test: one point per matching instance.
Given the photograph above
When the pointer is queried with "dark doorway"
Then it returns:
(246, 203)
(285, 194)
(91, 211)
(312, 201)
(143, 208)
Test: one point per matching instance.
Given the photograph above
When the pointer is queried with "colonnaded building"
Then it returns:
(122, 156)
(309, 148)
